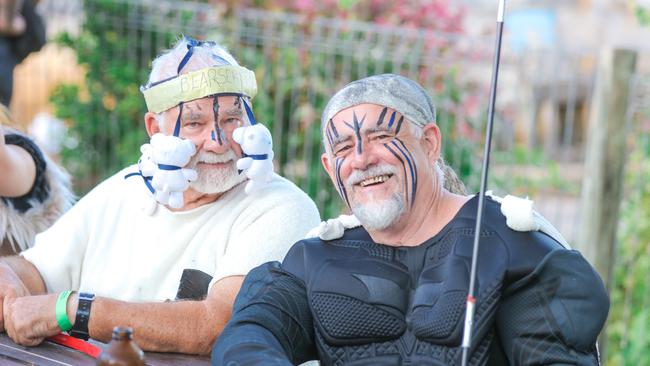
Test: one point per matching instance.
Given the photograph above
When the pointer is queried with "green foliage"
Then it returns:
(527, 172)
(118, 40)
(628, 341)
(105, 114)
(643, 15)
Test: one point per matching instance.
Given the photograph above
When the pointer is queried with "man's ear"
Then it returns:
(432, 141)
(151, 123)
(327, 161)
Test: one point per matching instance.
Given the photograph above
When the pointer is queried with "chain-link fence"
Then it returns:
(543, 97)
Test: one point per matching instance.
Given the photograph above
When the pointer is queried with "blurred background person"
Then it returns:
(22, 32)
(34, 191)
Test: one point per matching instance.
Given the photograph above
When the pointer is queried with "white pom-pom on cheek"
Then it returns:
(237, 134)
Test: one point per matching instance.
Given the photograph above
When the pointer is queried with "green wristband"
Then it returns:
(62, 311)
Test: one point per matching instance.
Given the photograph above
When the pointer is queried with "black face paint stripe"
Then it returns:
(412, 167)
(177, 127)
(399, 124)
(328, 133)
(380, 120)
(215, 110)
(334, 131)
(392, 120)
(342, 191)
(410, 155)
(357, 131)
(223, 136)
(403, 167)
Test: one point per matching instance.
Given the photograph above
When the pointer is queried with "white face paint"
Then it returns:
(217, 173)
(377, 210)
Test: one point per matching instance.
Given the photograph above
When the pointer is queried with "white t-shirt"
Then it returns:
(108, 246)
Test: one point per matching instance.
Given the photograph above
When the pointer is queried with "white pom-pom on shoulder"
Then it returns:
(519, 213)
(333, 228)
(521, 216)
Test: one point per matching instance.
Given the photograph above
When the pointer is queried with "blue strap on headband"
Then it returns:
(191, 43)
(249, 113)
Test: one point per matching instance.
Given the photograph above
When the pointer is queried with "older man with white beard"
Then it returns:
(393, 291)
(111, 261)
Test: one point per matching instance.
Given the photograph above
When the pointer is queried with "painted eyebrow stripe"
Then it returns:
(403, 166)
(412, 167)
(380, 120)
(392, 120)
(342, 191)
(399, 124)
(331, 124)
(328, 133)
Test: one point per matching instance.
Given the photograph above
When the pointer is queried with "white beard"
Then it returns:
(379, 214)
(211, 180)
(376, 214)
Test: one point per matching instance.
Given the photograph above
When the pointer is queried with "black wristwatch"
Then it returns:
(80, 327)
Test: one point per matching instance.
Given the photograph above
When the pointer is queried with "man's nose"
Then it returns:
(363, 157)
(216, 141)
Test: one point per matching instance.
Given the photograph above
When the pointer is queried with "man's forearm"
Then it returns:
(26, 272)
(179, 326)
(174, 326)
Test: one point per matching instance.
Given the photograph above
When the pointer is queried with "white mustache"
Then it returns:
(214, 158)
(374, 171)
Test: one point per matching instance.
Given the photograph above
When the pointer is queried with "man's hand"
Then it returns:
(11, 287)
(31, 319)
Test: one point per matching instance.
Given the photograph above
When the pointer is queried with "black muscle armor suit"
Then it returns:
(353, 302)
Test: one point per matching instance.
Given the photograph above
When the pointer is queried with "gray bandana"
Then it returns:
(389, 90)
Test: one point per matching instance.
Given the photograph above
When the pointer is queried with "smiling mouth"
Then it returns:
(215, 164)
(374, 180)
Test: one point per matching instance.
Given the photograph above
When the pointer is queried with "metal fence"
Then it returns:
(543, 96)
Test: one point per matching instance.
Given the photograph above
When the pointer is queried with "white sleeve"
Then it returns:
(268, 237)
(58, 252)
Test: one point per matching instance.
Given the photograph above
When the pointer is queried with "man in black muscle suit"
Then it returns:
(393, 291)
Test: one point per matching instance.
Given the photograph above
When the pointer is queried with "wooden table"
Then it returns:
(51, 354)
